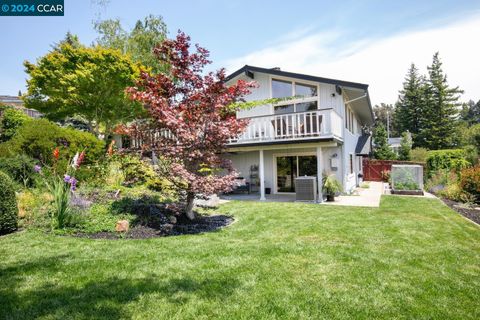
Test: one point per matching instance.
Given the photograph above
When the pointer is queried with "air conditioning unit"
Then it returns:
(306, 188)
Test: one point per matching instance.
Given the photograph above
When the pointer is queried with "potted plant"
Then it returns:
(331, 186)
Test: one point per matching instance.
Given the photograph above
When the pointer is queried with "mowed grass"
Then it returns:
(410, 258)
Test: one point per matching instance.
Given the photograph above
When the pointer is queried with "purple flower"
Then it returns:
(37, 168)
(66, 178)
(73, 184)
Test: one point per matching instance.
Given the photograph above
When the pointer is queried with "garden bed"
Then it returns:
(469, 212)
(408, 192)
(184, 226)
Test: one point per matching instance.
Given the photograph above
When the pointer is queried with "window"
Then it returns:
(306, 106)
(307, 95)
(351, 163)
(305, 90)
(288, 108)
(350, 120)
(291, 167)
(281, 89)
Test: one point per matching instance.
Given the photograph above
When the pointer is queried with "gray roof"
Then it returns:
(394, 141)
(10, 99)
(246, 69)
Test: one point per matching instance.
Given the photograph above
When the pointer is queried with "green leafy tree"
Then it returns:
(440, 116)
(86, 82)
(382, 151)
(410, 105)
(10, 120)
(138, 42)
(405, 146)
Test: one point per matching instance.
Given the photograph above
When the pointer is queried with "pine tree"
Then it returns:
(471, 112)
(439, 118)
(410, 105)
(405, 146)
(382, 150)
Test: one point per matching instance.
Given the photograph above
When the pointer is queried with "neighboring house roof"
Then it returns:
(394, 142)
(11, 100)
(357, 93)
(17, 103)
(363, 147)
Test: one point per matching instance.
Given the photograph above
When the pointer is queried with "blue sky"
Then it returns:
(251, 31)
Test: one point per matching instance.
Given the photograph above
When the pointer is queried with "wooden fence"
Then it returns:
(372, 169)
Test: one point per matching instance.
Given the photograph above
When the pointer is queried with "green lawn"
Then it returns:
(411, 258)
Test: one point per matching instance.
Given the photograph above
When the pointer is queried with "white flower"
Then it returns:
(75, 161)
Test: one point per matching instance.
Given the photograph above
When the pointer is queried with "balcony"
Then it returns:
(302, 126)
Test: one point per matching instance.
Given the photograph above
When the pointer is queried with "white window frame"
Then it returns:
(294, 101)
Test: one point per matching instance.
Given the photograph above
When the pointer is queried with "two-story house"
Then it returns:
(317, 130)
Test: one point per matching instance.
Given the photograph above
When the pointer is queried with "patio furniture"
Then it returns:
(241, 185)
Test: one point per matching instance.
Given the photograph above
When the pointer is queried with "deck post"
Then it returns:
(319, 174)
(261, 172)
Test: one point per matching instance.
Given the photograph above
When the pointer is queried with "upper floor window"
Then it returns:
(281, 89)
(306, 94)
(305, 90)
(350, 120)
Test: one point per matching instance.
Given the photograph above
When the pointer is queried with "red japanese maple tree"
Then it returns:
(192, 118)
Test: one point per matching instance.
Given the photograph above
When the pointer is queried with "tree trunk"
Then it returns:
(189, 207)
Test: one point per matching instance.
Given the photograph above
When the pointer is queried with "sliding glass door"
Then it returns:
(290, 167)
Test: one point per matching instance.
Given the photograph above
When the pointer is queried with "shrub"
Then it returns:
(11, 121)
(449, 159)
(20, 168)
(471, 154)
(470, 181)
(130, 171)
(40, 137)
(419, 155)
(455, 192)
(8, 205)
(385, 175)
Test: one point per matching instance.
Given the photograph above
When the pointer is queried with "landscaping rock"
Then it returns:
(209, 202)
(172, 219)
(122, 226)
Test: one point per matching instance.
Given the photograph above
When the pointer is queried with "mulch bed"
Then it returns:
(183, 226)
(472, 213)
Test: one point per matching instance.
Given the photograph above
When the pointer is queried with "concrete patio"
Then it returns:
(369, 197)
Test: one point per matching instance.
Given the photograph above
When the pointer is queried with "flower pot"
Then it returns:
(330, 197)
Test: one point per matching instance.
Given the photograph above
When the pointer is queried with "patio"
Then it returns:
(369, 197)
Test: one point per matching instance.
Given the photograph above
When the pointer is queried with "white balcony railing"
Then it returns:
(291, 126)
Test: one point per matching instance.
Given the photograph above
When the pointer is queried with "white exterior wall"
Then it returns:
(350, 180)
(260, 93)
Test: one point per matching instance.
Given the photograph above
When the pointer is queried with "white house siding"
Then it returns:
(330, 99)
(260, 93)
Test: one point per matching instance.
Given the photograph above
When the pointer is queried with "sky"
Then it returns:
(371, 42)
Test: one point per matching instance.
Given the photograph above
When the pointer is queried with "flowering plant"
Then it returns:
(61, 187)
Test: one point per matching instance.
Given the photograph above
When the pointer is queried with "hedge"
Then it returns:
(8, 205)
(448, 159)
(40, 137)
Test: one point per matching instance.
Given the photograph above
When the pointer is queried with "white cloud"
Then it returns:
(382, 63)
